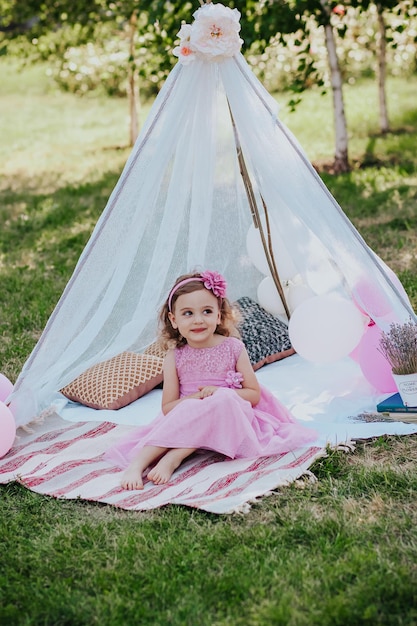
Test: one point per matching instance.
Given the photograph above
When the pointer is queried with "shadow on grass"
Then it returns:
(49, 224)
(382, 183)
(401, 143)
(41, 239)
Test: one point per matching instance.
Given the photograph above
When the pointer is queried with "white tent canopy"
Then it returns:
(181, 203)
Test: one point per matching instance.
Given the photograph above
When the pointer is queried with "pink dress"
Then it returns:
(223, 422)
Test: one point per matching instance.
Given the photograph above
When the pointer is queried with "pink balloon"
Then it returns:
(373, 364)
(7, 429)
(370, 298)
(6, 387)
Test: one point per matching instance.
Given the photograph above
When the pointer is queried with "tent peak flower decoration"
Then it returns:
(213, 36)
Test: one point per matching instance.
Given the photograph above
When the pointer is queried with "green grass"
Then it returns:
(342, 550)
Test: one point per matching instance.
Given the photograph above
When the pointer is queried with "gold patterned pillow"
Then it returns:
(117, 382)
(156, 350)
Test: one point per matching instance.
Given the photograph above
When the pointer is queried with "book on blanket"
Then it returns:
(394, 407)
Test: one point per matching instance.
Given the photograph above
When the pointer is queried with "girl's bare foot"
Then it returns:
(167, 465)
(132, 479)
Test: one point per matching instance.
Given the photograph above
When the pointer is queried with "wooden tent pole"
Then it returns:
(266, 242)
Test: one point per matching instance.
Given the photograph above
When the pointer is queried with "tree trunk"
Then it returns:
(341, 160)
(382, 71)
(132, 87)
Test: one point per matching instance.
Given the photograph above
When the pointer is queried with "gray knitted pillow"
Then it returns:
(265, 336)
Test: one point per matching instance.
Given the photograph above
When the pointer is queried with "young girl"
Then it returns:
(211, 397)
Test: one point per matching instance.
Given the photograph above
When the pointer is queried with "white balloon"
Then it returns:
(269, 298)
(284, 264)
(256, 251)
(323, 276)
(298, 292)
(325, 328)
(322, 272)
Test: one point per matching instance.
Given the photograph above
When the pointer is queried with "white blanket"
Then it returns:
(63, 457)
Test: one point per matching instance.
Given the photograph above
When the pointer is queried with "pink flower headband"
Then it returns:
(213, 281)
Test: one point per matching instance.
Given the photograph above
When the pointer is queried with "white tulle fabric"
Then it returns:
(179, 205)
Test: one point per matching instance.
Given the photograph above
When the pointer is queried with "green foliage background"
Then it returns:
(87, 44)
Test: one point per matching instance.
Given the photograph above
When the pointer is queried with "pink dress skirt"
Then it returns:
(223, 422)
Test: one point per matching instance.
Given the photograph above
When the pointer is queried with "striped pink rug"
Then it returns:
(65, 460)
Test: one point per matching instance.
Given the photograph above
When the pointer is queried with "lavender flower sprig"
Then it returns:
(399, 347)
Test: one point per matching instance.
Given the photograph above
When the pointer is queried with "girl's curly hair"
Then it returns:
(169, 337)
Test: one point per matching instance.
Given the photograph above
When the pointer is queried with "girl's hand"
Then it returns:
(197, 395)
(205, 392)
